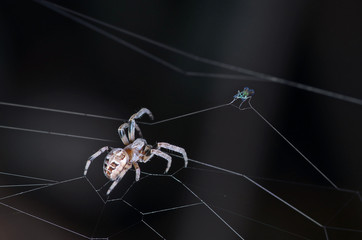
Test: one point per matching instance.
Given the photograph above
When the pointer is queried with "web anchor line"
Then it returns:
(186, 115)
(172, 208)
(326, 233)
(55, 133)
(154, 230)
(24, 185)
(98, 218)
(42, 187)
(60, 111)
(27, 177)
(39, 218)
(294, 147)
(44, 220)
(249, 73)
(94, 116)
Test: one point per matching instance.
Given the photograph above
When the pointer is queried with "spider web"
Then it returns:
(230, 189)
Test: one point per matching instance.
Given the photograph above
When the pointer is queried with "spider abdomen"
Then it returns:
(115, 162)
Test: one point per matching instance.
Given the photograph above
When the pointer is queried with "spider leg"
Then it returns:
(175, 149)
(114, 184)
(121, 174)
(138, 130)
(133, 125)
(94, 156)
(131, 130)
(138, 171)
(122, 134)
(140, 114)
(159, 153)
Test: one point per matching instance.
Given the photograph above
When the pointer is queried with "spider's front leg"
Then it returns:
(159, 153)
(175, 149)
(133, 125)
(168, 146)
(140, 113)
(122, 134)
(94, 156)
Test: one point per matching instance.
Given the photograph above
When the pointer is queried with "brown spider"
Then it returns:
(119, 160)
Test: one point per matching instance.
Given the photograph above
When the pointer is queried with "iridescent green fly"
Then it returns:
(244, 95)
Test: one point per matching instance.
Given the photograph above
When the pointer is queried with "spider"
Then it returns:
(119, 160)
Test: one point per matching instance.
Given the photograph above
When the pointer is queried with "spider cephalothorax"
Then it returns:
(119, 160)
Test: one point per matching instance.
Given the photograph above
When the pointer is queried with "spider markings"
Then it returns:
(119, 160)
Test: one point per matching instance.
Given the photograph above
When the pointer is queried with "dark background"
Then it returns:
(50, 61)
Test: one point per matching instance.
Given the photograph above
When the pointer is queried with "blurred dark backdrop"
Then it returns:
(50, 61)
